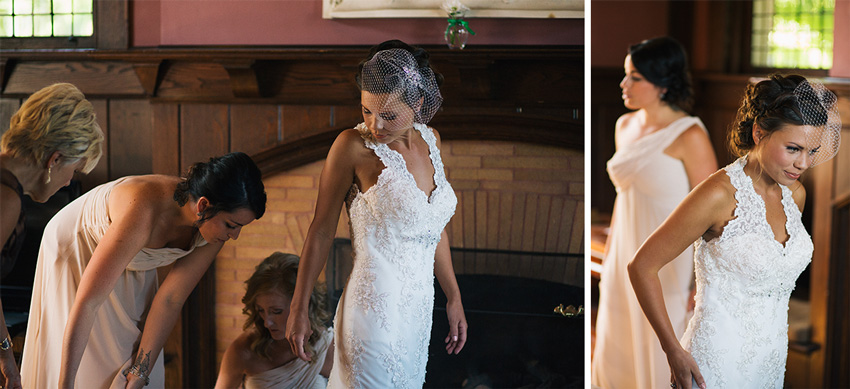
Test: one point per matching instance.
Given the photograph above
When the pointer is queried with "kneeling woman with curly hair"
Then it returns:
(261, 355)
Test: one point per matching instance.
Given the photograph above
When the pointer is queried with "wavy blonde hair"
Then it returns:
(278, 273)
(56, 118)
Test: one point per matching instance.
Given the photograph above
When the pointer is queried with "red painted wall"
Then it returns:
(841, 49)
(299, 22)
(616, 25)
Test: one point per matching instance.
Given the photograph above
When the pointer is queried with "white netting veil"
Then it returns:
(819, 114)
(406, 92)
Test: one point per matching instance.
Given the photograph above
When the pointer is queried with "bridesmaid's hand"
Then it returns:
(134, 382)
(9, 375)
(298, 333)
(457, 327)
(684, 370)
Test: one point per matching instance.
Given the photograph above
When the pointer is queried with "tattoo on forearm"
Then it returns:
(143, 361)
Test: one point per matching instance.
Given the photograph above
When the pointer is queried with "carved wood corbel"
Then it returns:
(150, 75)
(243, 77)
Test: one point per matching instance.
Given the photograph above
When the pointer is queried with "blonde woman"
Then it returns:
(52, 136)
(261, 357)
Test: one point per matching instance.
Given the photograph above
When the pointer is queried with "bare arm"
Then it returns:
(693, 148)
(233, 364)
(708, 207)
(129, 232)
(10, 204)
(336, 179)
(329, 361)
(454, 307)
(168, 302)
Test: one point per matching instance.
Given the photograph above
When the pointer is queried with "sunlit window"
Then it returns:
(793, 34)
(46, 18)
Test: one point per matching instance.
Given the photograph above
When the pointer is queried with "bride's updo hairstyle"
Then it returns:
(782, 100)
(229, 182)
(663, 62)
(394, 67)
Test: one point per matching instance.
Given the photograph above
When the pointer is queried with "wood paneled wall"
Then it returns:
(164, 109)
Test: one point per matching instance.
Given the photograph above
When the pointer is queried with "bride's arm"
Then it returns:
(700, 212)
(336, 178)
(454, 307)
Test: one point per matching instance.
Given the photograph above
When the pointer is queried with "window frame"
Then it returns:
(109, 15)
(746, 57)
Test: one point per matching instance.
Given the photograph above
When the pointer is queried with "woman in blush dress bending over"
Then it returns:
(99, 316)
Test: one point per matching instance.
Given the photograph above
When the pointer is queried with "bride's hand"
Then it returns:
(297, 333)
(684, 370)
(457, 327)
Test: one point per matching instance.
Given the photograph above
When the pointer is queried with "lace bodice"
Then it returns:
(383, 322)
(744, 277)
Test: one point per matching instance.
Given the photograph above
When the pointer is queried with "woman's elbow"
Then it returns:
(636, 269)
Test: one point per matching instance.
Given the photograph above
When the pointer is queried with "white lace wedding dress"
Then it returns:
(739, 332)
(383, 321)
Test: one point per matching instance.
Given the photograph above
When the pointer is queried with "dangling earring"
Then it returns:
(49, 169)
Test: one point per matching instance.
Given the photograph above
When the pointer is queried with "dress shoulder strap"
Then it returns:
(388, 157)
(9, 179)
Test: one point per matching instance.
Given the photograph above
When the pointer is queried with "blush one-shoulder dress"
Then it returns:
(650, 184)
(383, 321)
(69, 241)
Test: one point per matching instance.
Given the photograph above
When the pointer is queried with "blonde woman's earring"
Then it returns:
(49, 170)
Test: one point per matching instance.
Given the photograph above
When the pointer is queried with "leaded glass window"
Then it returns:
(46, 18)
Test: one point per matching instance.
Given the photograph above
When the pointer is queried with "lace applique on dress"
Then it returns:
(388, 302)
(744, 277)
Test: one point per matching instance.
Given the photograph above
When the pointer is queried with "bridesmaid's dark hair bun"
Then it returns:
(229, 182)
(771, 104)
(663, 62)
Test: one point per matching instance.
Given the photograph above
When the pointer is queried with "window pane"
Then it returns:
(61, 25)
(83, 25)
(23, 25)
(5, 26)
(23, 7)
(62, 6)
(797, 35)
(82, 6)
(5, 7)
(41, 7)
(42, 25)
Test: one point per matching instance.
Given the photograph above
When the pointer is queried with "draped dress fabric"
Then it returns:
(650, 184)
(739, 332)
(383, 321)
(296, 373)
(69, 241)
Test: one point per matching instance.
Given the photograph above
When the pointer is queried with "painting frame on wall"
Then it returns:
(552, 9)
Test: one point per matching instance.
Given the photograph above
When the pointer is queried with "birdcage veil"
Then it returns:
(819, 115)
(407, 89)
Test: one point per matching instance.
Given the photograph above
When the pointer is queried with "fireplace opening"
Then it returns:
(515, 337)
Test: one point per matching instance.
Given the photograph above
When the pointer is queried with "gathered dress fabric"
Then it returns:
(650, 184)
(296, 373)
(69, 240)
(738, 335)
(383, 321)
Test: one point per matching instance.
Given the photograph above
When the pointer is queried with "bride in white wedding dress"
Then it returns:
(750, 242)
(389, 172)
